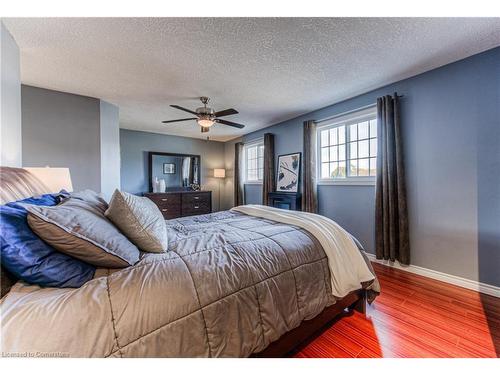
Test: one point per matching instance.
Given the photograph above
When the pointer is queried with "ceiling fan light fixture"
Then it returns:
(205, 121)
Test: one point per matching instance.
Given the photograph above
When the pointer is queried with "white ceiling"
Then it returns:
(269, 69)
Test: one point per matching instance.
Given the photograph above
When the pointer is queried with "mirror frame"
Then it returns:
(150, 167)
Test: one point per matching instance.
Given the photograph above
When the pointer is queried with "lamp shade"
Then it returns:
(220, 173)
(56, 179)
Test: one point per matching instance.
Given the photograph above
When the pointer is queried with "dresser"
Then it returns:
(176, 204)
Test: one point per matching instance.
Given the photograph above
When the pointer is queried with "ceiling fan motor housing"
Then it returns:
(205, 111)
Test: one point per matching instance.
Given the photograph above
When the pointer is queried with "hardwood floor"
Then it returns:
(414, 316)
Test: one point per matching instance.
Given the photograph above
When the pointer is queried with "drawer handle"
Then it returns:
(164, 199)
(196, 197)
(164, 209)
(196, 206)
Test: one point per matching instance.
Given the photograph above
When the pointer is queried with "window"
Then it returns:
(254, 162)
(347, 148)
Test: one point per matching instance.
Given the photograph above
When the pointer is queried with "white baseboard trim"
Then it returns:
(441, 276)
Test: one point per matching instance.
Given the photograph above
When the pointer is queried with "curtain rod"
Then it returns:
(351, 111)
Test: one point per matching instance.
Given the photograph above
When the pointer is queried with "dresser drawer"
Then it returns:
(199, 197)
(190, 209)
(170, 212)
(165, 200)
(168, 204)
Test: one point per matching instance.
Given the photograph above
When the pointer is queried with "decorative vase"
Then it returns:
(155, 185)
(162, 186)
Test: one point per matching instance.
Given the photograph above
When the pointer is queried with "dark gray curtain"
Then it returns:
(391, 225)
(268, 181)
(239, 193)
(310, 203)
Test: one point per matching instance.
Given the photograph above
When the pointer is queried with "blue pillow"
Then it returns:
(30, 259)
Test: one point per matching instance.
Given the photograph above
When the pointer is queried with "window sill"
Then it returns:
(353, 182)
(252, 183)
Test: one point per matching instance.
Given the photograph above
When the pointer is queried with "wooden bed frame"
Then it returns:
(309, 329)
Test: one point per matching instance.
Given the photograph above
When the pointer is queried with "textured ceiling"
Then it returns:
(269, 69)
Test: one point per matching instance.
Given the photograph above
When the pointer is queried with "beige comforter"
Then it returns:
(230, 285)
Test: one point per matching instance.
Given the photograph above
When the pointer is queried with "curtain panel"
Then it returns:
(268, 181)
(391, 213)
(239, 191)
(310, 202)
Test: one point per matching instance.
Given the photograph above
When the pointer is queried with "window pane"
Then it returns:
(373, 128)
(363, 130)
(324, 138)
(324, 154)
(363, 149)
(334, 169)
(325, 171)
(342, 171)
(373, 147)
(253, 164)
(261, 174)
(333, 136)
(341, 134)
(353, 150)
(353, 129)
(334, 153)
(253, 152)
(261, 151)
(252, 174)
(353, 168)
(342, 152)
(363, 167)
(373, 166)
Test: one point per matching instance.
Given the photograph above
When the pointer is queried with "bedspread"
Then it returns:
(229, 285)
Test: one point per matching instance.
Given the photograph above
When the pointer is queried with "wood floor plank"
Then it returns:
(414, 316)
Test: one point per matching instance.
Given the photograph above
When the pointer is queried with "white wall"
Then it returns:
(10, 98)
(110, 148)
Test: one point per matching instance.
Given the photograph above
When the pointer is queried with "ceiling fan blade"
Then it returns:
(181, 119)
(183, 109)
(226, 112)
(234, 124)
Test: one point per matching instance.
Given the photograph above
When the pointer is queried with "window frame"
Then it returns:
(346, 119)
(246, 146)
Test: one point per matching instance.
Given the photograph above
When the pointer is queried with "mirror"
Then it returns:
(179, 171)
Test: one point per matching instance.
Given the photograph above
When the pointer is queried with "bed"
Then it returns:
(232, 284)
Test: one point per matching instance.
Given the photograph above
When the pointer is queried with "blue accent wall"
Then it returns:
(135, 145)
(451, 132)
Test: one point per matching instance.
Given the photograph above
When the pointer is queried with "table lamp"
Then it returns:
(56, 179)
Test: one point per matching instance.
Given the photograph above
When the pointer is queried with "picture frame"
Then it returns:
(168, 168)
(288, 176)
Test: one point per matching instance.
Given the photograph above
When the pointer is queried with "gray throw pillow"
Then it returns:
(78, 227)
(140, 220)
(91, 197)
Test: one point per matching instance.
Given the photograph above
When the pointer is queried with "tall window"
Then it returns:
(347, 148)
(254, 162)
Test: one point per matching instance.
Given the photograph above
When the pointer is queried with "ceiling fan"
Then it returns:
(206, 116)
